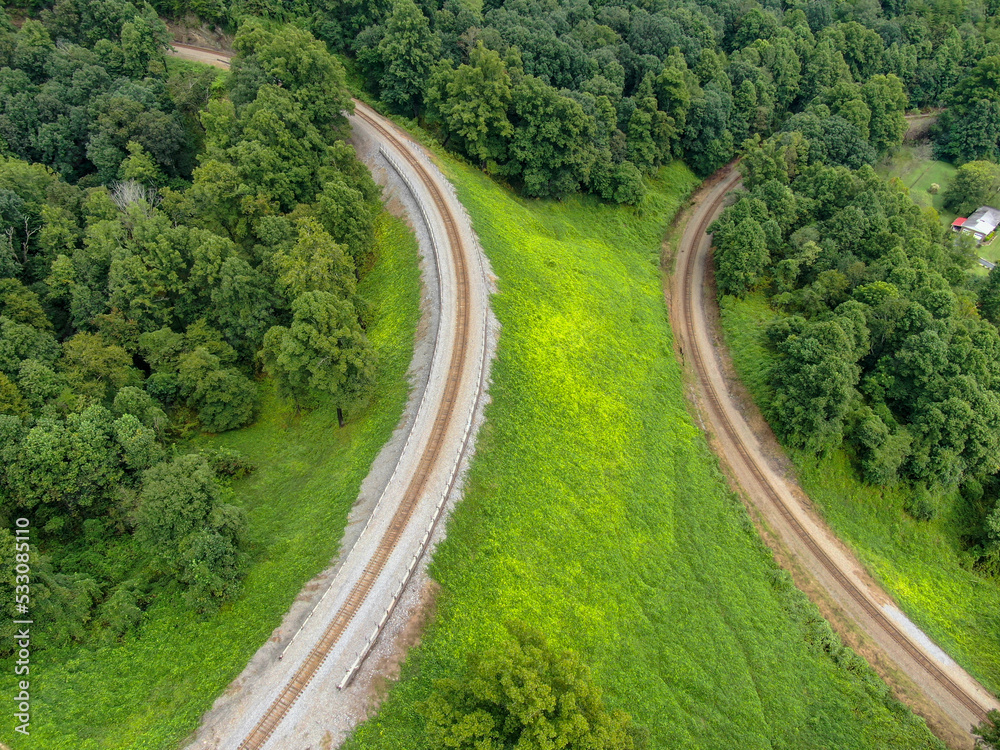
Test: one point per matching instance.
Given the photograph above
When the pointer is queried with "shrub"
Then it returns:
(919, 505)
(527, 695)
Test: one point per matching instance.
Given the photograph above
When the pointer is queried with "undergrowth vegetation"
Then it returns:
(596, 513)
(921, 563)
(149, 690)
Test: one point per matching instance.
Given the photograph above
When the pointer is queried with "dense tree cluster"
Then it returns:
(78, 89)
(886, 343)
(970, 127)
(525, 694)
(977, 183)
(988, 732)
(165, 239)
(572, 94)
(162, 238)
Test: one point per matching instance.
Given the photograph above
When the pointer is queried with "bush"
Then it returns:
(919, 505)
(190, 533)
(527, 695)
(230, 463)
(628, 184)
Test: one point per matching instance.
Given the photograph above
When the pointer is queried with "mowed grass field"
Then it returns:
(596, 512)
(918, 562)
(149, 691)
(917, 169)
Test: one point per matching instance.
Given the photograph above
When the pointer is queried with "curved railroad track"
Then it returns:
(439, 436)
(687, 319)
(431, 452)
(688, 311)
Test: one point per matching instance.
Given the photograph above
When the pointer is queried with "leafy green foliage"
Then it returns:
(152, 669)
(224, 397)
(526, 695)
(65, 470)
(989, 298)
(315, 263)
(743, 253)
(694, 79)
(977, 183)
(927, 565)
(593, 512)
(988, 731)
(324, 351)
(77, 105)
(550, 149)
(883, 346)
(970, 129)
(471, 103)
(293, 60)
(230, 463)
(814, 380)
(133, 303)
(913, 484)
(405, 54)
(697, 79)
(277, 144)
(195, 536)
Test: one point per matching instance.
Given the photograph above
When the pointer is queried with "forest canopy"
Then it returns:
(163, 233)
(169, 239)
(571, 95)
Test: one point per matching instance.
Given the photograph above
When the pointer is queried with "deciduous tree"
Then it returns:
(315, 263)
(323, 352)
(526, 695)
(977, 183)
(814, 380)
(189, 530)
(408, 50)
(471, 102)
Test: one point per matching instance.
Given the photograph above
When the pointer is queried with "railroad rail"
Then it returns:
(721, 419)
(429, 458)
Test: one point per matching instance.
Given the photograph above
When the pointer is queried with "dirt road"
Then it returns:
(200, 54)
(919, 671)
(918, 126)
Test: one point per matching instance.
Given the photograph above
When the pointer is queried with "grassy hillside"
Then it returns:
(596, 511)
(149, 691)
(919, 563)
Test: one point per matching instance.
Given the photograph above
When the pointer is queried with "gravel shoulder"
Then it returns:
(946, 716)
(324, 714)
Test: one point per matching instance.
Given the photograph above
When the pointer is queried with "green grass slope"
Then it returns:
(596, 511)
(918, 562)
(149, 691)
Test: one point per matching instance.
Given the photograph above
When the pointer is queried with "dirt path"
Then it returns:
(218, 58)
(919, 126)
(897, 650)
(920, 673)
(311, 683)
